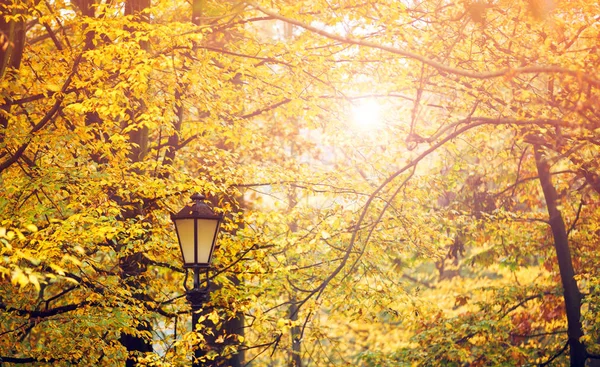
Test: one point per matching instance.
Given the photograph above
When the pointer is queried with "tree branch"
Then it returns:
(47, 117)
(439, 66)
(473, 123)
(47, 313)
(561, 351)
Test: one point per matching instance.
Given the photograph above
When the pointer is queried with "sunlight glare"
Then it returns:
(366, 115)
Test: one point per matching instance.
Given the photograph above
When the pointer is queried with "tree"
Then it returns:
(539, 104)
(341, 245)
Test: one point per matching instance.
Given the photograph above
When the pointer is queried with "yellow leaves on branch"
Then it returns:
(24, 278)
(284, 325)
(20, 263)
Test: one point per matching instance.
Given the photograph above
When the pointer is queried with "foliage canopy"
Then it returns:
(459, 227)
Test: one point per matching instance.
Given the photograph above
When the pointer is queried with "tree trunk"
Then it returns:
(571, 292)
(296, 353)
(132, 266)
(12, 41)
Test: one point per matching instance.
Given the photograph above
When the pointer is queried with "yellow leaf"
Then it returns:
(31, 228)
(19, 278)
(282, 323)
(34, 280)
(19, 234)
(57, 269)
(53, 87)
(214, 317)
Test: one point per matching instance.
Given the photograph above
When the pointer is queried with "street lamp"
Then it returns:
(197, 226)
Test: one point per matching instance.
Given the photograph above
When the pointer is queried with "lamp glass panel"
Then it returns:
(185, 231)
(206, 235)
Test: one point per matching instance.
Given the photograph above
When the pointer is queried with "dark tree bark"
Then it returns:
(295, 354)
(87, 9)
(296, 331)
(133, 266)
(12, 41)
(234, 325)
(571, 293)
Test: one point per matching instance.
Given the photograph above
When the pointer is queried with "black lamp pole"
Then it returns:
(197, 226)
(197, 297)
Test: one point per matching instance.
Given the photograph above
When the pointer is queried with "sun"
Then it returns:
(366, 115)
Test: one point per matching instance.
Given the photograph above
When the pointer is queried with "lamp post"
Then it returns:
(197, 226)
